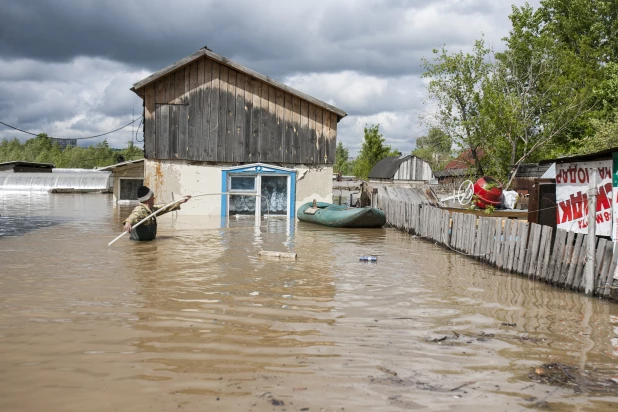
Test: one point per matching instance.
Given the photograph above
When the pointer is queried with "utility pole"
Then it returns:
(592, 232)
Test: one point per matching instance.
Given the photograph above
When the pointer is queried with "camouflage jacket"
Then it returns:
(148, 229)
(141, 212)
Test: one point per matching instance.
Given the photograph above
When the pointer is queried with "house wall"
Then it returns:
(206, 111)
(128, 171)
(180, 177)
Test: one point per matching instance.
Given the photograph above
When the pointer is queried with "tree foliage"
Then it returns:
(342, 160)
(455, 84)
(435, 148)
(551, 92)
(372, 151)
(43, 149)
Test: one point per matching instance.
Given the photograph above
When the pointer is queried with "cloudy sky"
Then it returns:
(66, 66)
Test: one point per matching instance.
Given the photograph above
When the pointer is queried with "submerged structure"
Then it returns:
(214, 126)
(29, 176)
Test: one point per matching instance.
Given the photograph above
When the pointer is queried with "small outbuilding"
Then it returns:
(26, 167)
(401, 169)
(214, 126)
(126, 177)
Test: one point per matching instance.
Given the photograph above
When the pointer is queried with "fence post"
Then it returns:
(592, 231)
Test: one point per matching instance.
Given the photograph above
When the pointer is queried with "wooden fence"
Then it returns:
(529, 250)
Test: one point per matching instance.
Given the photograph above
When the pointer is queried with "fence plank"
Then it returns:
(600, 254)
(489, 235)
(558, 259)
(472, 234)
(496, 243)
(482, 244)
(454, 218)
(475, 234)
(523, 243)
(447, 227)
(558, 241)
(574, 260)
(610, 275)
(546, 244)
(512, 244)
(603, 273)
(581, 260)
(459, 231)
(566, 259)
(533, 249)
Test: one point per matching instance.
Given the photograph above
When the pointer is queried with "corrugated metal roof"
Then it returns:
(386, 168)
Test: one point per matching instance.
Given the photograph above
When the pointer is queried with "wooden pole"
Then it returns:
(592, 230)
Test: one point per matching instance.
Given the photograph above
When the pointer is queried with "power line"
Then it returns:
(74, 138)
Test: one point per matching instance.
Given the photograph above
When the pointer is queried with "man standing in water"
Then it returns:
(148, 229)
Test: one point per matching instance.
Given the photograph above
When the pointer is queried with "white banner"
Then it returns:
(572, 181)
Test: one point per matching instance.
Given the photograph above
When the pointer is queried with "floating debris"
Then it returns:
(581, 381)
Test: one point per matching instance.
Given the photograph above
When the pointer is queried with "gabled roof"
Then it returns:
(258, 167)
(222, 60)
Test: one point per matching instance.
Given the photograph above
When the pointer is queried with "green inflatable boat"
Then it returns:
(341, 216)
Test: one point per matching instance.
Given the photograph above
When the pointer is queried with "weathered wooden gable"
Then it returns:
(207, 111)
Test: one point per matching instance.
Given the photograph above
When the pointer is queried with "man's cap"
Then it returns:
(143, 193)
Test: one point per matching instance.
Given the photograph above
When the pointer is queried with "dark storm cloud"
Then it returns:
(66, 66)
(276, 38)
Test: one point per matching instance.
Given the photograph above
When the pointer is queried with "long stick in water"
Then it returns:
(143, 220)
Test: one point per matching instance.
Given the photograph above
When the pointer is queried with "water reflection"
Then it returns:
(198, 315)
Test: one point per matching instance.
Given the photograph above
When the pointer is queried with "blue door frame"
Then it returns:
(256, 169)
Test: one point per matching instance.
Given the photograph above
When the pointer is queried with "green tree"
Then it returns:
(456, 87)
(372, 151)
(435, 148)
(342, 163)
(46, 150)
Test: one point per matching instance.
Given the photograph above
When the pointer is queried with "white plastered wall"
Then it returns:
(165, 177)
(313, 183)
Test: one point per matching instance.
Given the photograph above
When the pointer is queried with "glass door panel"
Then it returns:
(241, 205)
(274, 191)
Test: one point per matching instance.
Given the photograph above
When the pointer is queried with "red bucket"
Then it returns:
(487, 191)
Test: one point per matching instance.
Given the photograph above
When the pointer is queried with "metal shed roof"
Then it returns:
(387, 167)
(222, 60)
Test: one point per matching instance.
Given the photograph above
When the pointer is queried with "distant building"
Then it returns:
(400, 169)
(64, 143)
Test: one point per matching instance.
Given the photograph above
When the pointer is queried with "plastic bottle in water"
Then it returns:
(368, 259)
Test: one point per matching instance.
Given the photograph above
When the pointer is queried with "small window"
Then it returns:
(242, 182)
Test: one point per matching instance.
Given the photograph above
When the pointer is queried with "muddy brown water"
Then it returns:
(196, 320)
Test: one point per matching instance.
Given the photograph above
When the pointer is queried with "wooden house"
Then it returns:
(213, 125)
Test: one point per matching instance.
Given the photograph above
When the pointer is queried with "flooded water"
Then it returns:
(196, 320)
